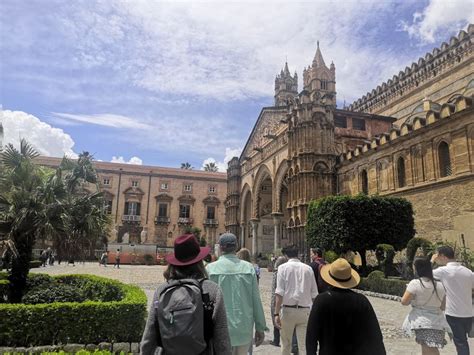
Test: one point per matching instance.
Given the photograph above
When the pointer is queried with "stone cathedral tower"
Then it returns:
(311, 145)
(286, 86)
(233, 197)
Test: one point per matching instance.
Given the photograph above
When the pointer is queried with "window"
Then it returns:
(444, 160)
(188, 187)
(164, 186)
(211, 212)
(134, 183)
(401, 172)
(108, 206)
(132, 208)
(340, 122)
(364, 182)
(212, 189)
(324, 84)
(163, 210)
(106, 181)
(358, 124)
(184, 211)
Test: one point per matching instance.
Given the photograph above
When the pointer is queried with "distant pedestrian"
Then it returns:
(117, 259)
(104, 259)
(188, 314)
(426, 318)
(317, 262)
(459, 283)
(43, 257)
(341, 320)
(295, 291)
(243, 305)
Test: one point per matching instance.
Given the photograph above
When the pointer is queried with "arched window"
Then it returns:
(364, 182)
(324, 84)
(401, 172)
(444, 160)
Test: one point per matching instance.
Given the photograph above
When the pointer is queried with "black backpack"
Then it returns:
(184, 317)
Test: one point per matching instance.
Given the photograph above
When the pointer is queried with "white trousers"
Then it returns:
(293, 319)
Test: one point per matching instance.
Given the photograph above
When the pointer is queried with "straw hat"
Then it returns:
(340, 274)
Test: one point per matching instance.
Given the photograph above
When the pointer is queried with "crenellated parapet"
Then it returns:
(431, 66)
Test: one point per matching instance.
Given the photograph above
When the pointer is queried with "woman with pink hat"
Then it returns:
(187, 315)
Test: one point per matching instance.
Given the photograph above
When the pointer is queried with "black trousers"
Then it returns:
(460, 327)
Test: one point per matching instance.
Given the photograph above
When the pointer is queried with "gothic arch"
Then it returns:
(321, 168)
(245, 194)
(262, 174)
(278, 183)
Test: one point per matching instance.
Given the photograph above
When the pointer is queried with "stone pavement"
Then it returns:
(389, 313)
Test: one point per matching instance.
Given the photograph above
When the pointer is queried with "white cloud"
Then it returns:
(106, 119)
(438, 18)
(132, 160)
(46, 139)
(222, 165)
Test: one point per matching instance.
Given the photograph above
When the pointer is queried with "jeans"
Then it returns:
(460, 328)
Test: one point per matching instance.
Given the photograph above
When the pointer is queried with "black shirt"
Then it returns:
(343, 322)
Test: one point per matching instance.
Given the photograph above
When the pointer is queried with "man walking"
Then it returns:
(117, 259)
(459, 283)
(296, 289)
(317, 263)
(242, 301)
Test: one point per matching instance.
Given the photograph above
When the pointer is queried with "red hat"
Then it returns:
(187, 251)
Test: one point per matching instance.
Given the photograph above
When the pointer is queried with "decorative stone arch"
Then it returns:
(363, 174)
(383, 174)
(321, 168)
(245, 193)
(401, 165)
(297, 221)
(262, 174)
(279, 182)
(291, 223)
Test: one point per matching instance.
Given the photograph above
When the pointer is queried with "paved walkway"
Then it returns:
(389, 313)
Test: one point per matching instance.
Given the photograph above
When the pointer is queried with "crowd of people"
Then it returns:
(215, 307)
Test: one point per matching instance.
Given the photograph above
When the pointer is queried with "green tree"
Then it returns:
(186, 166)
(212, 167)
(360, 223)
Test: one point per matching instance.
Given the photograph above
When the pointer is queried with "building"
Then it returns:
(412, 136)
(154, 205)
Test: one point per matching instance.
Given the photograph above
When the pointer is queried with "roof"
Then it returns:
(346, 113)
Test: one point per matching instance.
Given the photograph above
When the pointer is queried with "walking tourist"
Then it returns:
(187, 315)
(295, 291)
(317, 262)
(343, 321)
(104, 258)
(117, 259)
(426, 318)
(459, 283)
(243, 305)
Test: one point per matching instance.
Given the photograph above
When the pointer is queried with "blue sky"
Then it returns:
(168, 82)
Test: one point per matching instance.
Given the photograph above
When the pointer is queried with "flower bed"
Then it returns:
(120, 318)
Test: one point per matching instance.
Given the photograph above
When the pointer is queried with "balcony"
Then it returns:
(211, 222)
(184, 220)
(162, 220)
(129, 218)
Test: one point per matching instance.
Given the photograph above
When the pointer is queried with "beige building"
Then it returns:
(412, 136)
(154, 205)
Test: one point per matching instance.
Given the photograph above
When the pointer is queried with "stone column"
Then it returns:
(276, 233)
(254, 223)
(243, 227)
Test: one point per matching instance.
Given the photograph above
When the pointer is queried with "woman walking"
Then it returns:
(426, 318)
(187, 315)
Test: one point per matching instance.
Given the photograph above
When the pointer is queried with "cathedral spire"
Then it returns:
(318, 60)
(287, 71)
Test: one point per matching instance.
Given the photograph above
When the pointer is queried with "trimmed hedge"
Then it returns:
(35, 264)
(89, 322)
(376, 282)
(4, 287)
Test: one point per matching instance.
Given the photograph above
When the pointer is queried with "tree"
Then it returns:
(186, 166)
(360, 223)
(212, 167)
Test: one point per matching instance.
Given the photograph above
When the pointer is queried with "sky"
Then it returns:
(161, 83)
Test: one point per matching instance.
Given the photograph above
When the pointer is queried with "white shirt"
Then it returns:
(296, 284)
(423, 295)
(459, 282)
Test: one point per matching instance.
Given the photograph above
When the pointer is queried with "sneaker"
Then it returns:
(274, 343)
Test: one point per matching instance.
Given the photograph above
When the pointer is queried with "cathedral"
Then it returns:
(412, 136)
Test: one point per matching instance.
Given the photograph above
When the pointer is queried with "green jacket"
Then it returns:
(241, 297)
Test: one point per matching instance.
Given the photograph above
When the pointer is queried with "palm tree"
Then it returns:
(186, 166)
(212, 167)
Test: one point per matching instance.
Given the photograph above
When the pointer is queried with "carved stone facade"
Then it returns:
(308, 149)
(154, 205)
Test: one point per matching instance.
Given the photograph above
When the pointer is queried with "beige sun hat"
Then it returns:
(340, 274)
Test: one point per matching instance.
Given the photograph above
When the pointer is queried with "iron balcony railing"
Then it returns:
(131, 218)
(162, 220)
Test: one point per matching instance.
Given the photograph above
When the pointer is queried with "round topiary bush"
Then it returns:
(385, 254)
(88, 322)
(54, 293)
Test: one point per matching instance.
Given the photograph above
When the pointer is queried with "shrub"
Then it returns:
(4, 287)
(89, 322)
(376, 282)
(385, 254)
(149, 259)
(54, 293)
(35, 264)
(38, 280)
(342, 223)
(94, 288)
(412, 247)
(330, 256)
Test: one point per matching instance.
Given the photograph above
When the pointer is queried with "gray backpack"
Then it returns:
(184, 317)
